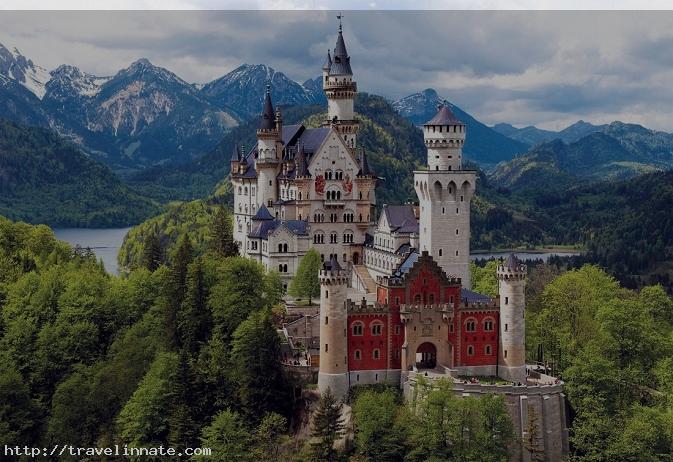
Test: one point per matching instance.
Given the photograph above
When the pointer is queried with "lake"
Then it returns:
(105, 243)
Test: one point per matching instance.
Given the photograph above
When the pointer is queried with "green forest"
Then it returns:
(184, 351)
(45, 179)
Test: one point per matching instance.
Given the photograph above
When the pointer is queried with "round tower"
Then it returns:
(340, 90)
(512, 284)
(333, 371)
(444, 137)
(269, 151)
(444, 193)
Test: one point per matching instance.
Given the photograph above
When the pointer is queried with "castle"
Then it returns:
(395, 299)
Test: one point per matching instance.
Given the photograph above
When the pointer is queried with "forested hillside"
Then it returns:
(185, 355)
(44, 179)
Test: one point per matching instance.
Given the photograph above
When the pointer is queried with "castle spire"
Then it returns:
(236, 154)
(328, 62)
(268, 114)
(365, 170)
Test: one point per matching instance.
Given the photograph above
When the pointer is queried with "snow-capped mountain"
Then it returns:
(144, 114)
(15, 66)
(242, 90)
(147, 113)
(483, 144)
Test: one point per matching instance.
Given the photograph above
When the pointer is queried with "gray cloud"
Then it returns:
(542, 68)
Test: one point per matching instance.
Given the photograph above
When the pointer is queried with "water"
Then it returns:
(525, 256)
(105, 243)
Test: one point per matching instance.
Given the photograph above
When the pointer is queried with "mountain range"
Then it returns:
(144, 114)
(483, 145)
(531, 135)
(615, 151)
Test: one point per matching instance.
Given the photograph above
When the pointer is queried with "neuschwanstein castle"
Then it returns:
(395, 299)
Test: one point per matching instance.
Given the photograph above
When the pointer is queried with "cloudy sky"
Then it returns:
(546, 68)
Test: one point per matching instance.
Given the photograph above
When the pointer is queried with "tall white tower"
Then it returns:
(269, 152)
(333, 370)
(444, 192)
(512, 285)
(340, 90)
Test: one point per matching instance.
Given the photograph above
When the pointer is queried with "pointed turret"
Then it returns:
(268, 115)
(328, 62)
(263, 214)
(302, 163)
(341, 63)
(236, 154)
(365, 170)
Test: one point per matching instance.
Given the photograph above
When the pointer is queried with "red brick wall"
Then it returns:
(367, 343)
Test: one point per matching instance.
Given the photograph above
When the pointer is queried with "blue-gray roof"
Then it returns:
(473, 297)
(262, 229)
(406, 265)
(401, 218)
(263, 214)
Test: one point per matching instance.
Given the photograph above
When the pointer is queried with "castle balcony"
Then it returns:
(340, 85)
(335, 203)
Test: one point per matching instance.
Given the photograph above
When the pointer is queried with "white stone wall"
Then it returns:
(512, 349)
(444, 229)
(445, 146)
(333, 333)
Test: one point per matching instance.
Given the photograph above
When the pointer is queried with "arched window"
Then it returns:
(376, 354)
(487, 350)
(285, 248)
(357, 328)
(470, 350)
(280, 247)
(358, 354)
(488, 324)
(470, 325)
(377, 328)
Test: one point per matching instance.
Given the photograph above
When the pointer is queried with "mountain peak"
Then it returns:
(15, 66)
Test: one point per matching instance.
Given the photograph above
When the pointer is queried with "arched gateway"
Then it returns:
(426, 356)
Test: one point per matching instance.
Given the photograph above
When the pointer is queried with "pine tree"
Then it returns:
(222, 233)
(153, 252)
(194, 318)
(328, 427)
(306, 283)
(176, 291)
(183, 428)
(256, 368)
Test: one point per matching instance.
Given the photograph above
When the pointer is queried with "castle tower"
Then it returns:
(340, 90)
(269, 151)
(444, 192)
(512, 284)
(333, 371)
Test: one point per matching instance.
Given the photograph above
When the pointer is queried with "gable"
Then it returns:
(333, 154)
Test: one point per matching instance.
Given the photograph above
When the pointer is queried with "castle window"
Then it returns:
(417, 299)
(505, 354)
(471, 325)
(397, 330)
(397, 300)
(488, 325)
(440, 252)
(431, 299)
(451, 327)
(487, 350)
(470, 350)
(327, 294)
(376, 354)
(377, 328)
(357, 328)
(358, 354)
(505, 327)
(326, 320)
(506, 300)
(456, 253)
